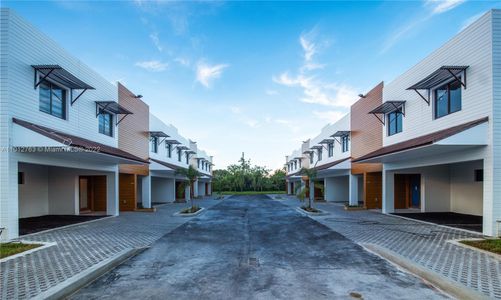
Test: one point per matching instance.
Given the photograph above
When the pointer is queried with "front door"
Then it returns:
(415, 187)
(84, 193)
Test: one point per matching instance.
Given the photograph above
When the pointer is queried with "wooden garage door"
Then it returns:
(373, 189)
(127, 192)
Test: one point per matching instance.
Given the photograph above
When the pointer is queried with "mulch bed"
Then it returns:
(37, 224)
(451, 219)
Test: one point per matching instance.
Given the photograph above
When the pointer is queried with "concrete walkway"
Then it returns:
(84, 245)
(250, 247)
(424, 244)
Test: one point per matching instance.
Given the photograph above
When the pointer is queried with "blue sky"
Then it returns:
(253, 77)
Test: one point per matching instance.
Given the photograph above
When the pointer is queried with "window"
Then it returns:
(345, 142)
(319, 153)
(447, 99)
(105, 123)
(20, 177)
(187, 157)
(311, 157)
(394, 122)
(179, 154)
(168, 148)
(331, 149)
(299, 160)
(52, 99)
(479, 175)
(154, 144)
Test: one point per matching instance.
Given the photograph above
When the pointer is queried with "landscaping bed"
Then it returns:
(493, 245)
(12, 248)
(310, 209)
(191, 210)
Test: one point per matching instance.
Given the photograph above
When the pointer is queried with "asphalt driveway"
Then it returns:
(251, 247)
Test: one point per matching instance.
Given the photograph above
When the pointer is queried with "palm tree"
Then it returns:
(310, 175)
(192, 174)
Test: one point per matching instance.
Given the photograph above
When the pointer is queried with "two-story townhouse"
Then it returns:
(366, 137)
(133, 137)
(293, 166)
(330, 155)
(202, 162)
(58, 131)
(169, 152)
(442, 148)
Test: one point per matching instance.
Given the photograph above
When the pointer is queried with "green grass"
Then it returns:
(252, 193)
(8, 249)
(310, 209)
(493, 246)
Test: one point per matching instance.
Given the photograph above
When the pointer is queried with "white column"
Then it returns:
(195, 188)
(187, 190)
(210, 189)
(172, 190)
(9, 196)
(112, 205)
(353, 189)
(288, 187)
(491, 198)
(388, 188)
(312, 192)
(146, 191)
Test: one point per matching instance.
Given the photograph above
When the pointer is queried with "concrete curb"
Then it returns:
(73, 284)
(179, 214)
(62, 227)
(435, 224)
(443, 283)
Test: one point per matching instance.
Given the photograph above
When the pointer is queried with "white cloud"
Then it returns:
(441, 6)
(236, 110)
(156, 41)
(207, 73)
(271, 92)
(436, 6)
(152, 65)
(317, 92)
(182, 61)
(330, 115)
(252, 123)
(309, 47)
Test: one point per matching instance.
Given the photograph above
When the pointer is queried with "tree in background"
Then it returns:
(243, 176)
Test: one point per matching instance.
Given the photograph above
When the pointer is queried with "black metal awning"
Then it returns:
(112, 107)
(340, 134)
(308, 152)
(388, 107)
(182, 147)
(172, 142)
(316, 147)
(326, 141)
(59, 75)
(441, 75)
(159, 134)
(298, 158)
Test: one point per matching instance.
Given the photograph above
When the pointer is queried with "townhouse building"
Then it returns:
(72, 143)
(329, 155)
(429, 141)
(59, 120)
(169, 152)
(441, 129)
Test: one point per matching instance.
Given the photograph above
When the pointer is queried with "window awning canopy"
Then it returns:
(158, 134)
(441, 75)
(341, 133)
(191, 152)
(182, 147)
(308, 152)
(327, 141)
(388, 107)
(298, 158)
(172, 142)
(316, 147)
(112, 107)
(61, 76)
